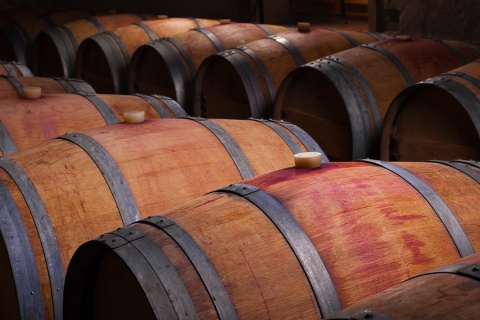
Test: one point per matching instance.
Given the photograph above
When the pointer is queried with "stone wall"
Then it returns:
(442, 19)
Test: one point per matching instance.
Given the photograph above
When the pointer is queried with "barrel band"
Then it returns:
(183, 53)
(231, 146)
(347, 36)
(455, 51)
(21, 257)
(372, 102)
(8, 66)
(20, 41)
(66, 46)
(306, 253)
(174, 61)
(294, 52)
(102, 107)
(359, 315)
(45, 231)
(473, 80)
(473, 163)
(153, 271)
(15, 83)
(264, 28)
(152, 35)
(73, 41)
(172, 105)
(466, 97)
(197, 22)
(212, 37)
(304, 137)
(112, 174)
(154, 104)
(26, 72)
(6, 142)
(118, 60)
(95, 22)
(200, 262)
(251, 82)
(71, 85)
(443, 212)
(453, 164)
(354, 103)
(168, 103)
(396, 62)
(467, 270)
(377, 36)
(284, 135)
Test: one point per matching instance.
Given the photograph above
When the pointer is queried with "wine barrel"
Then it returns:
(82, 184)
(448, 292)
(290, 244)
(102, 59)
(242, 82)
(15, 69)
(16, 38)
(168, 65)
(54, 49)
(12, 87)
(435, 119)
(341, 100)
(26, 122)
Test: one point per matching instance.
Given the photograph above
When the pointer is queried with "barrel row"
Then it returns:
(176, 58)
(208, 65)
(18, 34)
(175, 47)
(336, 85)
(68, 190)
(180, 44)
(342, 100)
(295, 243)
(25, 122)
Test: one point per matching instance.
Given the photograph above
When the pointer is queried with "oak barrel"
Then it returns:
(168, 65)
(55, 49)
(448, 292)
(83, 184)
(341, 100)
(242, 82)
(290, 244)
(12, 87)
(438, 118)
(26, 122)
(16, 37)
(102, 59)
(15, 69)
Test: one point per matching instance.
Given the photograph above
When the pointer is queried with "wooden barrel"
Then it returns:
(26, 122)
(290, 244)
(12, 87)
(242, 82)
(448, 292)
(16, 38)
(435, 119)
(54, 49)
(15, 69)
(168, 65)
(341, 100)
(83, 184)
(102, 59)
